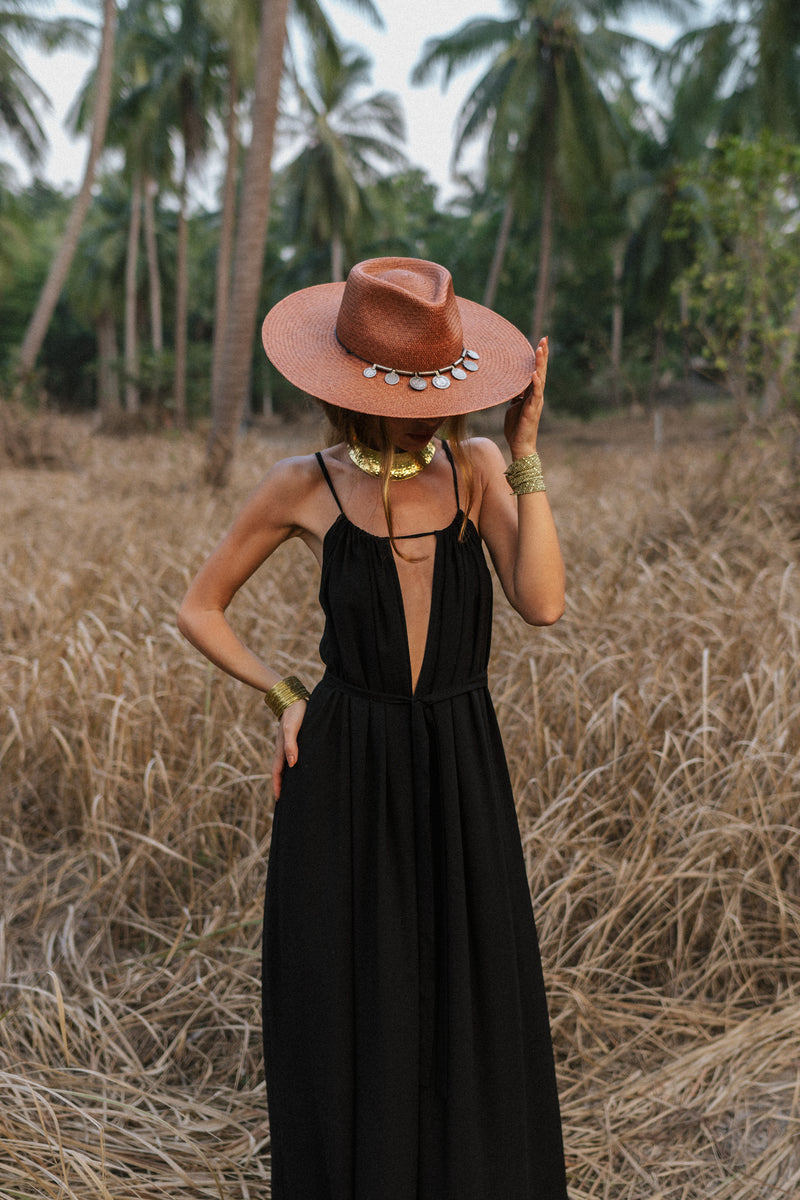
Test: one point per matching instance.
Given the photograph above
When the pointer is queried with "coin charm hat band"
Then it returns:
(395, 320)
(416, 379)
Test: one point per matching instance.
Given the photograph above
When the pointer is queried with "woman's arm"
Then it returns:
(519, 530)
(275, 512)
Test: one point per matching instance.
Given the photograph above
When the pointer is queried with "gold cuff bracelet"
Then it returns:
(525, 475)
(285, 692)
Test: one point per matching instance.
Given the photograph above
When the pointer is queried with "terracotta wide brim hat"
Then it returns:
(394, 340)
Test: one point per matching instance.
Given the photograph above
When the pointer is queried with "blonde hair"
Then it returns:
(344, 424)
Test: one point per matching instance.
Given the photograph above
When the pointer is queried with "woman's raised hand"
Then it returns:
(521, 424)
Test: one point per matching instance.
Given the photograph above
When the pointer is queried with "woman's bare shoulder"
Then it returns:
(486, 456)
(295, 476)
(288, 494)
(295, 470)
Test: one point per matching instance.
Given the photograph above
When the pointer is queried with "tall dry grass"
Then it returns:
(654, 741)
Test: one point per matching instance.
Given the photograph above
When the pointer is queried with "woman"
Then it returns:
(407, 1043)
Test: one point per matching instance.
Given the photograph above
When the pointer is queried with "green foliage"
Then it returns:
(742, 213)
(582, 310)
(97, 278)
(740, 70)
(555, 113)
(31, 224)
(67, 359)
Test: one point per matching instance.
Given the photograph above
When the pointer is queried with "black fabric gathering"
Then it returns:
(406, 1033)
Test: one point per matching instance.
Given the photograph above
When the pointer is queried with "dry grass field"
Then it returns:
(654, 743)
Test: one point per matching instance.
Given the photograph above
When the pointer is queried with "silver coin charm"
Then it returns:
(470, 365)
(441, 381)
(370, 372)
(392, 378)
(458, 373)
(472, 354)
(417, 383)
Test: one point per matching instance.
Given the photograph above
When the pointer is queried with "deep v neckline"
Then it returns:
(388, 554)
(383, 544)
(433, 608)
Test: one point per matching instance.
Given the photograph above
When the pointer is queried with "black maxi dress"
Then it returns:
(407, 1044)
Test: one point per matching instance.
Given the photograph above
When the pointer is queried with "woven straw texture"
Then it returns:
(401, 314)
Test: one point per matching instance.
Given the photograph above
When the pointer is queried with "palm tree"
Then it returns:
(740, 70)
(228, 400)
(136, 129)
(235, 24)
(342, 137)
(19, 93)
(197, 82)
(142, 131)
(168, 82)
(59, 269)
(96, 285)
(544, 105)
(186, 73)
(231, 384)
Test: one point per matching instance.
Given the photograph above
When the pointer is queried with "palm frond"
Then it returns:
(46, 33)
(18, 95)
(366, 8)
(480, 109)
(467, 45)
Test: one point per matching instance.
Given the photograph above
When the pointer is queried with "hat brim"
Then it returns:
(299, 337)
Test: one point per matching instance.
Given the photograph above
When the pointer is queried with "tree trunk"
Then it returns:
(153, 273)
(686, 357)
(227, 230)
(500, 247)
(542, 302)
(655, 366)
(132, 396)
(617, 323)
(337, 258)
(251, 238)
(108, 398)
(59, 269)
(181, 309)
(154, 282)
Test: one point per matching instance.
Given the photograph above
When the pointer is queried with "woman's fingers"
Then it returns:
(286, 751)
(278, 763)
(522, 416)
(541, 356)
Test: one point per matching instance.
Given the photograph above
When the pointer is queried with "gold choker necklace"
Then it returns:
(405, 464)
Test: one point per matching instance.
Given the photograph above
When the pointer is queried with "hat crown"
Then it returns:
(401, 313)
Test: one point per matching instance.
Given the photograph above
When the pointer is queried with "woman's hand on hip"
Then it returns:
(286, 752)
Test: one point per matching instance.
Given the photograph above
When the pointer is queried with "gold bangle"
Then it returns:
(525, 475)
(285, 692)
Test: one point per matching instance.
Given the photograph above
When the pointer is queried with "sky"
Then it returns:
(430, 113)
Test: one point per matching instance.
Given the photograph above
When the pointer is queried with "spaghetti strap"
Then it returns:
(431, 532)
(451, 460)
(328, 480)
